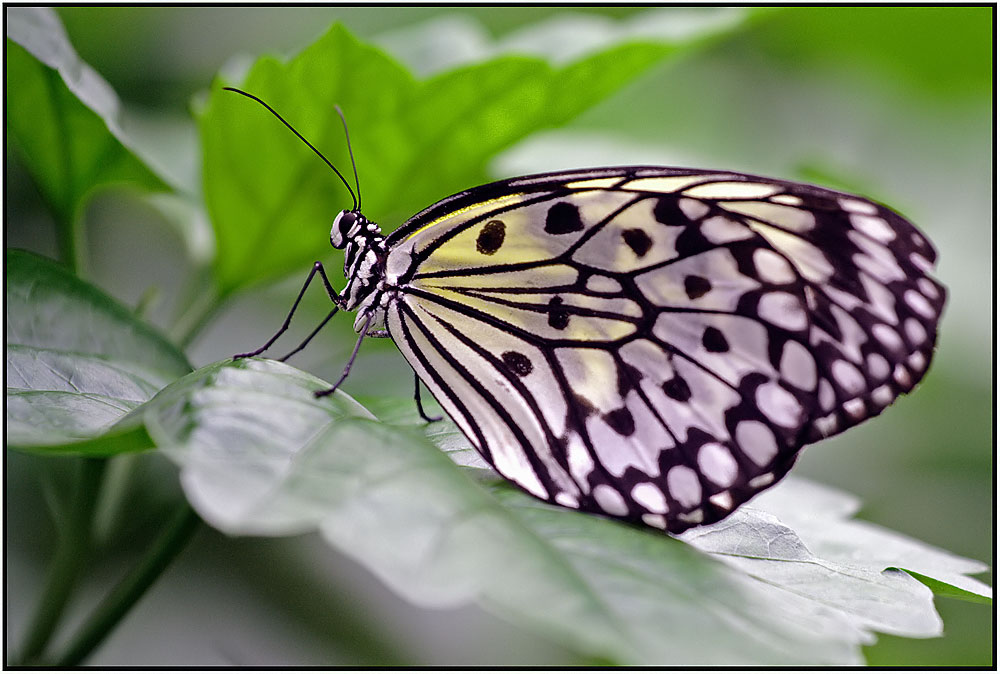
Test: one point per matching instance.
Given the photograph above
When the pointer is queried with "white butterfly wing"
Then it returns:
(657, 344)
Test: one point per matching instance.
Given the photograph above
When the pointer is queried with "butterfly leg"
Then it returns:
(416, 397)
(350, 361)
(311, 335)
(317, 267)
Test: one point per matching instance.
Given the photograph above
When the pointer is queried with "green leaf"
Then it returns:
(259, 455)
(77, 362)
(828, 531)
(271, 200)
(943, 51)
(262, 416)
(943, 589)
(65, 120)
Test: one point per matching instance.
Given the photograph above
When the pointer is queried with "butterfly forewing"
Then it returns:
(658, 344)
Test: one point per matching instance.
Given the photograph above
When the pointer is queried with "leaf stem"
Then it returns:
(124, 596)
(200, 309)
(72, 548)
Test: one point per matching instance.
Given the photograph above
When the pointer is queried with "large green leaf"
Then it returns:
(259, 455)
(943, 51)
(77, 361)
(64, 118)
(271, 201)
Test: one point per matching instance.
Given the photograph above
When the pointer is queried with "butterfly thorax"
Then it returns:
(364, 265)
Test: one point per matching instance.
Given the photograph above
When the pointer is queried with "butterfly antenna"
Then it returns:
(357, 203)
(350, 152)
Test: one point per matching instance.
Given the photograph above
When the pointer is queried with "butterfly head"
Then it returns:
(348, 225)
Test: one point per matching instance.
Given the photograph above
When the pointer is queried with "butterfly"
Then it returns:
(651, 344)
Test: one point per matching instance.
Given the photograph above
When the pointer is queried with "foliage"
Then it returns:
(789, 580)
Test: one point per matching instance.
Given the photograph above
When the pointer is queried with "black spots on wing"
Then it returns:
(628, 378)
(621, 421)
(563, 218)
(714, 341)
(583, 405)
(668, 212)
(517, 363)
(696, 286)
(690, 241)
(491, 237)
(638, 241)
(677, 389)
(558, 316)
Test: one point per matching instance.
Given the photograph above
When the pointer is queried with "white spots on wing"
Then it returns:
(667, 183)
(787, 199)
(778, 405)
(567, 500)
(917, 361)
(918, 303)
(878, 366)
(771, 267)
(852, 334)
(603, 284)
(719, 229)
(928, 288)
(786, 217)
(655, 521)
(717, 464)
(875, 227)
(684, 486)
(757, 441)
(875, 258)
(887, 336)
(649, 496)
(858, 206)
(902, 376)
(694, 517)
(733, 190)
(827, 396)
(797, 365)
(826, 426)
(915, 331)
(810, 261)
(848, 377)
(692, 208)
(723, 500)
(594, 183)
(580, 463)
(855, 408)
(882, 302)
(609, 500)
(921, 263)
(782, 309)
(761, 481)
(849, 301)
(883, 395)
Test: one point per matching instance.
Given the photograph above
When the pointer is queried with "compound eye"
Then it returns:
(344, 226)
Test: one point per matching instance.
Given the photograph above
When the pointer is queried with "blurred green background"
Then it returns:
(896, 103)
